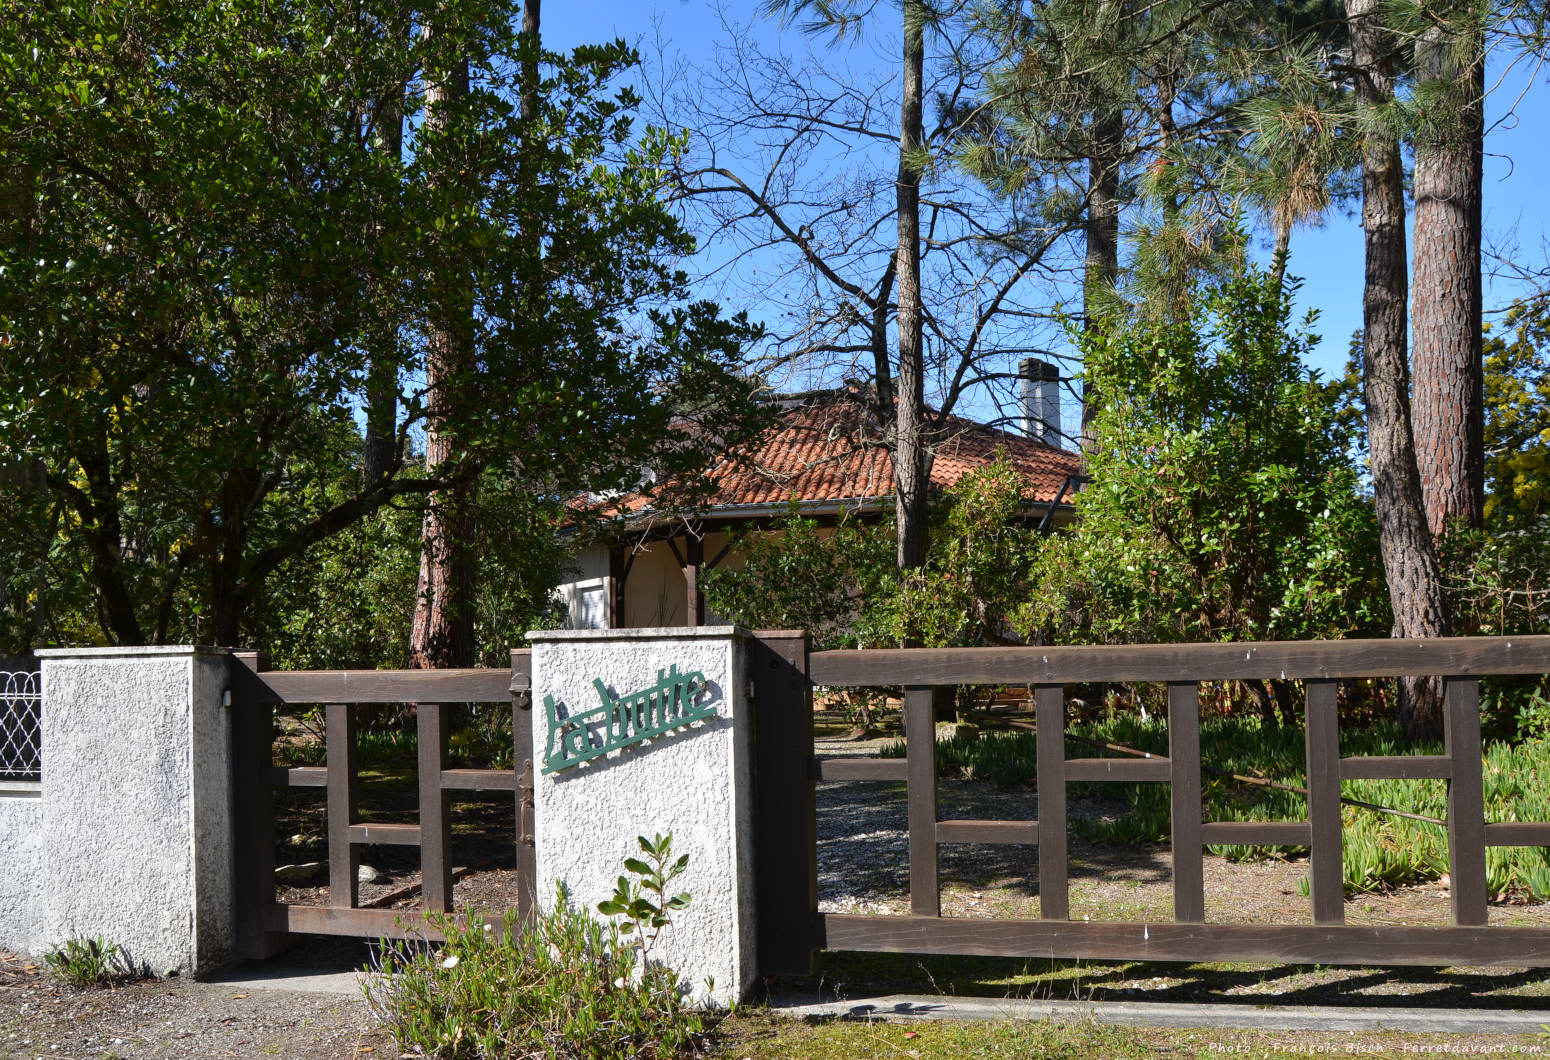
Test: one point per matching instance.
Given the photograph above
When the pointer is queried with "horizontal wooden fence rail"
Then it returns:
(375, 686)
(1268, 660)
(1319, 666)
(1298, 944)
(263, 922)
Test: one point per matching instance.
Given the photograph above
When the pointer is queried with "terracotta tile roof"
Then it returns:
(830, 450)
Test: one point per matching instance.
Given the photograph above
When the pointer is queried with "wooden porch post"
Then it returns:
(618, 571)
(694, 559)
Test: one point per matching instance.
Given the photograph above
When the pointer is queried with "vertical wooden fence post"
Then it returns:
(522, 761)
(1050, 723)
(252, 738)
(343, 856)
(1189, 896)
(435, 813)
(786, 838)
(1466, 801)
(920, 751)
(1321, 738)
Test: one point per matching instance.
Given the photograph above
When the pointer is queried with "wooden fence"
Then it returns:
(1326, 938)
(262, 921)
(790, 928)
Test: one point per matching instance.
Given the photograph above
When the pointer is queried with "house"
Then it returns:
(825, 453)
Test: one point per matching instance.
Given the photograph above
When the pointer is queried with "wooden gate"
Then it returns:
(791, 927)
(262, 921)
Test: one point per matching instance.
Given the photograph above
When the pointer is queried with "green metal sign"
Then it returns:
(676, 700)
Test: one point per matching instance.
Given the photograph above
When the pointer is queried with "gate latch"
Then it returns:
(521, 690)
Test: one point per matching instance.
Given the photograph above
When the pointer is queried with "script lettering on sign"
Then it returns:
(676, 700)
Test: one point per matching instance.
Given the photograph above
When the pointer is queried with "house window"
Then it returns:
(589, 604)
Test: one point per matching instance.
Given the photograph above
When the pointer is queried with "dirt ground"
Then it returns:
(182, 1019)
(178, 1018)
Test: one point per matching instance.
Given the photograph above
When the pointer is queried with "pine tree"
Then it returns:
(1409, 559)
(1445, 308)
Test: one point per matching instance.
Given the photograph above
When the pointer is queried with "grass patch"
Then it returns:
(848, 976)
(484, 743)
(1381, 850)
(89, 962)
(373, 747)
(760, 1036)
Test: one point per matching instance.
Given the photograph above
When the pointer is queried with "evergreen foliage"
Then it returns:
(203, 248)
(842, 587)
(1224, 502)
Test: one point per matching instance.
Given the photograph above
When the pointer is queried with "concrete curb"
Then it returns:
(907, 1007)
(296, 980)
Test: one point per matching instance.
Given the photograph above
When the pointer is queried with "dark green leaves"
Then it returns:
(643, 904)
(1225, 502)
(208, 253)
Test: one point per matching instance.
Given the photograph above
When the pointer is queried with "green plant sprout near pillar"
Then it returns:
(642, 903)
(87, 962)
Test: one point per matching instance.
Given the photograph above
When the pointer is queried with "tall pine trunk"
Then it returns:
(1445, 314)
(380, 445)
(531, 17)
(1101, 263)
(1283, 247)
(443, 632)
(1409, 561)
(910, 460)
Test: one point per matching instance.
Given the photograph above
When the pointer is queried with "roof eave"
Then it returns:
(647, 519)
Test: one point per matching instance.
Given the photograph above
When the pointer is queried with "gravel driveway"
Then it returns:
(179, 1018)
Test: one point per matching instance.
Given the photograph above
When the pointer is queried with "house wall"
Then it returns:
(655, 593)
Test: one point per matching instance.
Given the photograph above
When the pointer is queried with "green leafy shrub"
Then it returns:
(563, 986)
(84, 962)
(798, 575)
(1226, 501)
(843, 587)
(976, 570)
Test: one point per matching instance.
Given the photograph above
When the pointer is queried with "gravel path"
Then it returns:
(178, 1018)
(863, 862)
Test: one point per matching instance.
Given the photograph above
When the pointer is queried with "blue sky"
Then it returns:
(1327, 258)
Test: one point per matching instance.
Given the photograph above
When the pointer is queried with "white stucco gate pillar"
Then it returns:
(645, 731)
(136, 803)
